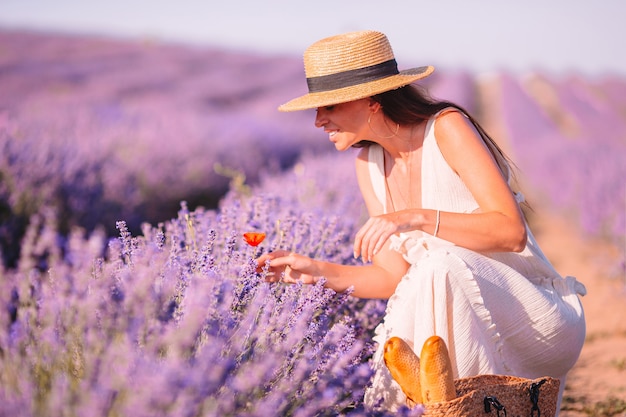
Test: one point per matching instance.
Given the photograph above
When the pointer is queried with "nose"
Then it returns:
(320, 117)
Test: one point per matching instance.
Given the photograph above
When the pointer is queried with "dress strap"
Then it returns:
(376, 164)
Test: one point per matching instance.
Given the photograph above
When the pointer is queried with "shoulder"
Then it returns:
(364, 180)
(362, 165)
(362, 162)
(362, 157)
(459, 141)
(454, 131)
(450, 122)
(370, 156)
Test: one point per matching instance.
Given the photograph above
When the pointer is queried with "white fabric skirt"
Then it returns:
(493, 316)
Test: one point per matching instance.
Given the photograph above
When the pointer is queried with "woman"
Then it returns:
(446, 241)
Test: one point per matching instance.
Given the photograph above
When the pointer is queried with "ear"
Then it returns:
(374, 106)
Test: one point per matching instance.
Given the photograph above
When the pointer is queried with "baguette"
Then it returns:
(404, 366)
(436, 379)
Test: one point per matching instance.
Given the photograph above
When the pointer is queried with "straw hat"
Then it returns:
(349, 67)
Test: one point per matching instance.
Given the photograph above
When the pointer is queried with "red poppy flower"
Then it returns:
(254, 238)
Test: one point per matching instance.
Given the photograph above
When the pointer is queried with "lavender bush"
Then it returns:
(176, 321)
(101, 130)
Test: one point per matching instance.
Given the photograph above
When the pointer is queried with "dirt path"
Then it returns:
(596, 386)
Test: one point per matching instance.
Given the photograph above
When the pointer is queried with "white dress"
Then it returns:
(499, 313)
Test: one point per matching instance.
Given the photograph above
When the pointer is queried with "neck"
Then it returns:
(408, 139)
(399, 167)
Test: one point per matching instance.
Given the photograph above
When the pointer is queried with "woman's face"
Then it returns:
(345, 123)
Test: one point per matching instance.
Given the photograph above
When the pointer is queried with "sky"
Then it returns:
(558, 36)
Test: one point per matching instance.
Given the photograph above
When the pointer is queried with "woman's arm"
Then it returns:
(376, 280)
(499, 225)
(368, 281)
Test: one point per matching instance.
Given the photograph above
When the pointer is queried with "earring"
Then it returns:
(369, 123)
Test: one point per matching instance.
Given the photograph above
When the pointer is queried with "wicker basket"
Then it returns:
(500, 395)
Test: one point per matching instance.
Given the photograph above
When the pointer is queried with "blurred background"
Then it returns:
(119, 110)
(481, 35)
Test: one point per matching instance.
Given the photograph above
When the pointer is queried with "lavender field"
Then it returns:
(129, 172)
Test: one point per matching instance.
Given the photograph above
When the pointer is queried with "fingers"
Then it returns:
(265, 266)
(263, 259)
(363, 242)
(288, 267)
(371, 238)
(278, 267)
(291, 276)
(356, 248)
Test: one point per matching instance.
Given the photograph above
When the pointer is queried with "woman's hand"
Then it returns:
(370, 281)
(371, 238)
(288, 267)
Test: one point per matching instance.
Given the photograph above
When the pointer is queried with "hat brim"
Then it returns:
(356, 92)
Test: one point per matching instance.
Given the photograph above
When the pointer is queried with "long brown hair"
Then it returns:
(411, 104)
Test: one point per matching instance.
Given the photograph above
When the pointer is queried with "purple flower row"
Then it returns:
(569, 139)
(99, 130)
